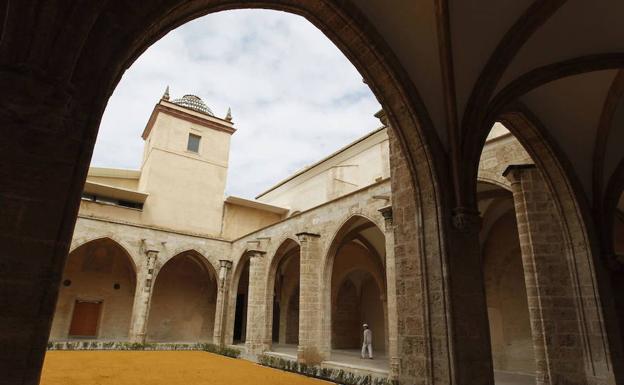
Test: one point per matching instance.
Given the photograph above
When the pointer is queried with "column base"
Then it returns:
(309, 355)
(395, 365)
(138, 338)
(256, 348)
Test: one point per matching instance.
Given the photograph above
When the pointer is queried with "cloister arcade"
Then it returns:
(444, 72)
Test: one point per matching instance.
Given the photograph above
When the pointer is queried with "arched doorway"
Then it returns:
(184, 300)
(357, 292)
(284, 279)
(97, 293)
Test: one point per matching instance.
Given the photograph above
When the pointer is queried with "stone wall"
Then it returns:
(183, 303)
(499, 153)
(346, 320)
(508, 311)
(98, 271)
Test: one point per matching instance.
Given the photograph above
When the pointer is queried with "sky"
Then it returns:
(295, 98)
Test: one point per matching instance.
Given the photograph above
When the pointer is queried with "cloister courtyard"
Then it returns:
(159, 368)
(472, 235)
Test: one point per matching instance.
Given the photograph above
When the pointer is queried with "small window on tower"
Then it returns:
(193, 143)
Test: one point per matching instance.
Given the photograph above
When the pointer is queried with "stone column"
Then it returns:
(391, 298)
(222, 294)
(309, 350)
(472, 352)
(557, 343)
(256, 341)
(143, 296)
(44, 158)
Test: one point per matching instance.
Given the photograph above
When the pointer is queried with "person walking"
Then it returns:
(367, 342)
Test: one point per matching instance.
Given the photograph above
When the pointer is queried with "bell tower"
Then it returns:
(185, 162)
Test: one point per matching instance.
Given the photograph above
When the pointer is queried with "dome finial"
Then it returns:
(193, 102)
(166, 94)
(228, 116)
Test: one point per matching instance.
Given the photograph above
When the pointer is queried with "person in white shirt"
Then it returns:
(367, 342)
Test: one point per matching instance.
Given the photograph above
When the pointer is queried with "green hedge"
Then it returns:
(334, 375)
(113, 345)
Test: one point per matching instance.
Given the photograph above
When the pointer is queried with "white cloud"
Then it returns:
(294, 96)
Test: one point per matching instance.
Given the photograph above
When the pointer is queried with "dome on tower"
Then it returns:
(194, 103)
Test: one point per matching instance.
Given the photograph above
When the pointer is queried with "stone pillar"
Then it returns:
(47, 142)
(309, 350)
(256, 341)
(557, 343)
(391, 298)
(472, 352)
(143, 296)
(222, 294)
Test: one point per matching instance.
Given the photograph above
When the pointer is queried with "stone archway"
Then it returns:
(71, 92)
(283, 294)
(183, 301)
(100, 279)
(355, 290)
(576, 261)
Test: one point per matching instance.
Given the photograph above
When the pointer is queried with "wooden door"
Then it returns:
(85, 319)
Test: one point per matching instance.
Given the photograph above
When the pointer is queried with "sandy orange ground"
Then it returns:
(159, 368)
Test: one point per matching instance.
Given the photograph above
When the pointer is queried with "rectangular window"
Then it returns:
(193, 143)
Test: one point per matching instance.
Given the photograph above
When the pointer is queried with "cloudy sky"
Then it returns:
(294, 97)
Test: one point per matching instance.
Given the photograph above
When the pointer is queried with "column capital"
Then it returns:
(466, 220)
(254, 253)
(513, 172)
(225, 264)
(305, 236)
(386, 212)
(383, 118)
(258, 245)
(149, 246)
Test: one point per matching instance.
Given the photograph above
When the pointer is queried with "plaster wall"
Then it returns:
(350, 169)
(239, 220)
(109, 211)
(127, 183)
(186, 189)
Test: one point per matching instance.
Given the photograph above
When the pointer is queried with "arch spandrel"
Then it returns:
(121, 244)
(207, 258)
(204, 261)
